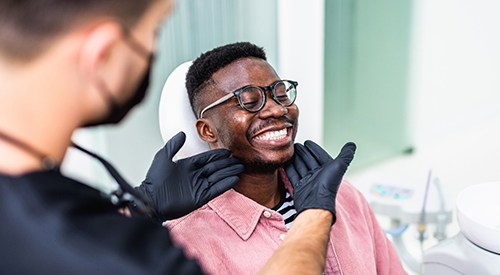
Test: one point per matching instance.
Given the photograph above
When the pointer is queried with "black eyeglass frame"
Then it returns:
(263, 90)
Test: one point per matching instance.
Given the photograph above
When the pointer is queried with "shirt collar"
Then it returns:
(241, 213)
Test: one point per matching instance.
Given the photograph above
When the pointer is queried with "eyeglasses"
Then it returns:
(252, 98)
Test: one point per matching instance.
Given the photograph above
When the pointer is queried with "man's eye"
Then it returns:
(251, 104)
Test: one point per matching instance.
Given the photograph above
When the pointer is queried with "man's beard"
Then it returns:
(262, 167)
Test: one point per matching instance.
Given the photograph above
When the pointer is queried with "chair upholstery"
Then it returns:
(175, 113)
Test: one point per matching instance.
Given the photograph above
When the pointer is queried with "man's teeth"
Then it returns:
(273, 135)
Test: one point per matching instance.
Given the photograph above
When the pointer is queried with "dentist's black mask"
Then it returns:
(116, 111)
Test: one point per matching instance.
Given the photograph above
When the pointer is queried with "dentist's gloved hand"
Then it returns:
(316, 176)
(178, 188)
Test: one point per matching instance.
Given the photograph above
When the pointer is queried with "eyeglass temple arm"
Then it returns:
(215, 103)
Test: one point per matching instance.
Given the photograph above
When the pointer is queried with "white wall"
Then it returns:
(456, 67)
(456, 86)
(301, 54)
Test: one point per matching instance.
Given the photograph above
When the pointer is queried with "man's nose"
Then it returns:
(272, 108)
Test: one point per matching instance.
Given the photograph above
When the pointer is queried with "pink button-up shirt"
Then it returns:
(233, 234)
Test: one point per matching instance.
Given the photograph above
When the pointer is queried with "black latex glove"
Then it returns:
(316, 176)
(178, 188)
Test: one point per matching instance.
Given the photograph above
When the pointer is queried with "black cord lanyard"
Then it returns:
(48, 163)
(125, 195)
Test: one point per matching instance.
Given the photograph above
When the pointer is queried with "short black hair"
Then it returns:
(28, 27)
(201, 71)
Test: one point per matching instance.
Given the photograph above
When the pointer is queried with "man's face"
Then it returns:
(262, 140)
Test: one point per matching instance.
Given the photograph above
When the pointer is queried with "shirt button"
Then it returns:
(282, 236)
(267, 214)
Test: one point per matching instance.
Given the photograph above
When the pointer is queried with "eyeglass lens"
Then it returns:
(253, 98)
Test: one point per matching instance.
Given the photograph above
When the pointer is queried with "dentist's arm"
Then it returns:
(304, 249)
(316, 178)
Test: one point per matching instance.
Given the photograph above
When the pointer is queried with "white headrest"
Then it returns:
(478, 209)
(176, 114)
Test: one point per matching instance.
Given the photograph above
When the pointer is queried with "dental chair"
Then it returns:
(175, 113)
(476, 248)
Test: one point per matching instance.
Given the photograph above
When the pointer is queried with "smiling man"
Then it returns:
(243, 105)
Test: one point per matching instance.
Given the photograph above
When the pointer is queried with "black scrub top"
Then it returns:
(50, 224)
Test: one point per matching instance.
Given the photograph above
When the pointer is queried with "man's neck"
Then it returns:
(262, 188)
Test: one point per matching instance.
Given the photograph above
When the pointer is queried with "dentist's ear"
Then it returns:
(98, 66)
(96, 52)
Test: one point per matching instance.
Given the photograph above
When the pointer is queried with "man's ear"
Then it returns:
(206, 132)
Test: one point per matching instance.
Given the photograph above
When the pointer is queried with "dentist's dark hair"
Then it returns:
(28, 26)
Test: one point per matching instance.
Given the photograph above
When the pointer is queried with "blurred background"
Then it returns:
(414, 83)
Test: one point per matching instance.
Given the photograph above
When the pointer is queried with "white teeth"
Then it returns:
(274, 135)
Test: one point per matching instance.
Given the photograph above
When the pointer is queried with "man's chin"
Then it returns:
(263, 167)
